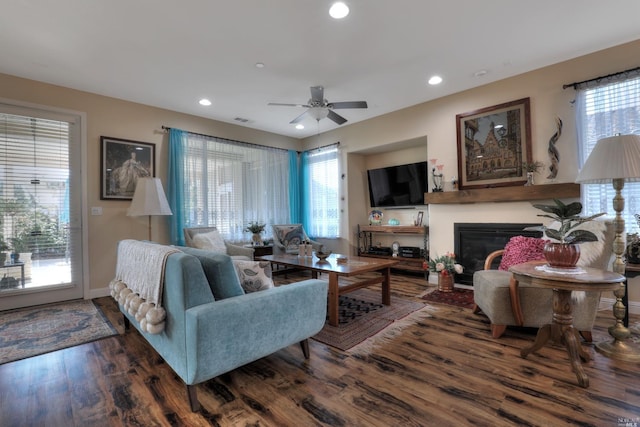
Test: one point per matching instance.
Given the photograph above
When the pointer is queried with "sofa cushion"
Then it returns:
(211, 241)
(254, 275)
(220, 272)
(521, 249)
(290, 236)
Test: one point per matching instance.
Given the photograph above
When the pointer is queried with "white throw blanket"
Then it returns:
(139, 281)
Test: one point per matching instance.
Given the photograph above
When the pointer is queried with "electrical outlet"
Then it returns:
(96, 210)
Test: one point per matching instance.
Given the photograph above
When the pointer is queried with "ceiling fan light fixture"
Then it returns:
(318, 113)
(338, 10)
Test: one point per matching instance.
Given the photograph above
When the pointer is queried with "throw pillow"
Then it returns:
(290, 236)
(211, 241)
(254, 275)
(521, 249)
(219, 271)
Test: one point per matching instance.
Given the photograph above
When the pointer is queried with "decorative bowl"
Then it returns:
(322, 256)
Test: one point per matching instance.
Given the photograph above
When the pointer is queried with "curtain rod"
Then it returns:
(574, 85)
(322, 147)
(250, 144)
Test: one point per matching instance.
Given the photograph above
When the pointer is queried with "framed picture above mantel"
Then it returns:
(493, 144)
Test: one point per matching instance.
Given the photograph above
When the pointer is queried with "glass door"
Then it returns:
(40, 207)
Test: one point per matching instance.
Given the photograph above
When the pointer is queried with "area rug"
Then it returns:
(459, 297)
(37, 330)
(363, 316)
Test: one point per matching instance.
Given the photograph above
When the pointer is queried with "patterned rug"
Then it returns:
(37, 330)
(459, 297)
(363, 316)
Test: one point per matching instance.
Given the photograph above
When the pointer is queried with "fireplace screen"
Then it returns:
(473, 242)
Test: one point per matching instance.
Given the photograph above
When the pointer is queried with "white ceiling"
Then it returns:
(169, 54)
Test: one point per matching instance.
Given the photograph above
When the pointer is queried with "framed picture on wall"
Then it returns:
(493, 144)
(122, 162)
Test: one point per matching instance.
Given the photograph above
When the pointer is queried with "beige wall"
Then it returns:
(120, 119)
(396, 134)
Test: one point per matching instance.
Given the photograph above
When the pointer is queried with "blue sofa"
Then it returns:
(213, 327)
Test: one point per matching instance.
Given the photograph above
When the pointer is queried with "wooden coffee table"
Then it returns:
(561, 329)
(353, 267)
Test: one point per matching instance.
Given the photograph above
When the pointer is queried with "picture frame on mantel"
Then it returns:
(122, 162)
(493, 143)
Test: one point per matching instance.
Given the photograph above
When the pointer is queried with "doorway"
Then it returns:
(40, 206)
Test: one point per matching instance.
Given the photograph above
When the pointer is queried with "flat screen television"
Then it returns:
(398, 186)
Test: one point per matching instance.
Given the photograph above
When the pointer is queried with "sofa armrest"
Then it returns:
(226, 334)
(237, 250)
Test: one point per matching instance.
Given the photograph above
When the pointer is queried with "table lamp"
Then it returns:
(615, 159)
(149, 199)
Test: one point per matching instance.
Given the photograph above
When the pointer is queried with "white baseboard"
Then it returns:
(98, 293)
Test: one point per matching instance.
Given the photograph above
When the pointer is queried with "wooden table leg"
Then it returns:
(386, 286)
(562, 331)
(334, 300)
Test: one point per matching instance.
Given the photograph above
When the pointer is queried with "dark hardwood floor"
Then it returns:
(442, 370)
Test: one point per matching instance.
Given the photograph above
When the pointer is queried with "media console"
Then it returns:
(410, 257)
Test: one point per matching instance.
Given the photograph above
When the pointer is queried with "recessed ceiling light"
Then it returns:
(435, 80)
(205, 102)
(259, 65)
(299, 126)
(338, 10)
(480, 73)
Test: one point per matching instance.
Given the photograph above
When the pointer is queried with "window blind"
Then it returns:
(321, 192)
(34, 192)
(602, 110)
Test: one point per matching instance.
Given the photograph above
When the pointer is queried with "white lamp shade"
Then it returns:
(615, 157)
(149, 199)
(318, 113)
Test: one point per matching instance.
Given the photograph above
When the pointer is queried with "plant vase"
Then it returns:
(445, 281)
(561, 255)
(256, 239)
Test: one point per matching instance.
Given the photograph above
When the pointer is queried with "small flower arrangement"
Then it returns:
(255, 227)
(532, 167)
(445, 264)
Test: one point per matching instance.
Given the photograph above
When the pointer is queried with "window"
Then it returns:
(603, 110)
(320, 189)
(228, 184)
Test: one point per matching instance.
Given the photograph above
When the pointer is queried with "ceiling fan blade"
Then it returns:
(299, 118)
(317, 94)
(347, 104)
(336, 117)
(288, 105)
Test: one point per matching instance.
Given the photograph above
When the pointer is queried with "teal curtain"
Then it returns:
(176, 189)
(305, 215)
(295, 203)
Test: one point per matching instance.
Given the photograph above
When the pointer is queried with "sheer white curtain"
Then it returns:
(229, 184)
(605, 109)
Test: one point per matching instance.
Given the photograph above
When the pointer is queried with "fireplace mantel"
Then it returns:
(505, 194)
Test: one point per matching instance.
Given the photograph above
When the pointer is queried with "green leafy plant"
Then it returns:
(255, 227)
(569, 218)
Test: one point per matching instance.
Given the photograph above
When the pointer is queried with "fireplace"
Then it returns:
(473, 242)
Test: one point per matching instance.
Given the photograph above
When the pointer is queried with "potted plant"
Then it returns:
(566, 251)
(531, 168)
(256, 228)
(446, 267)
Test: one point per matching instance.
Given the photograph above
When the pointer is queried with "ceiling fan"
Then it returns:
(319, 108)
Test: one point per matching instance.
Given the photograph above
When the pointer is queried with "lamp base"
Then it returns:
(619, 350)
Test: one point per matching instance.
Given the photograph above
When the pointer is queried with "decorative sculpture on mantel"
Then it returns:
(554, 155)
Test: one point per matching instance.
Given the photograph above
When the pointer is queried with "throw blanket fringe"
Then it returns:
(139, 280)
